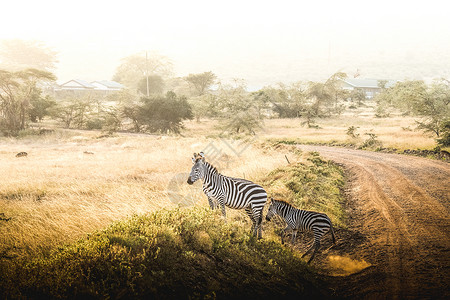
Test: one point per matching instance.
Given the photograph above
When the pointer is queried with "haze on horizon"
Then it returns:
(262, 42)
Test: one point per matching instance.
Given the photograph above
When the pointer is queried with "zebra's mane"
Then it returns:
(211, 167)
(282, 202)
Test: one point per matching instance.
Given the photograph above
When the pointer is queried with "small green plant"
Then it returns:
(371, 142)
(351, 131)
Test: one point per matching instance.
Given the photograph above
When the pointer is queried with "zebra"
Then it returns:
(224, 191)
(302, 220)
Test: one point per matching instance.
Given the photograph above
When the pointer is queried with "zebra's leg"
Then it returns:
(212, 203)
(283, 234)
(221, 202)
(294, 236)
(250, 214)
(257, 217)
(316, 246)
(259, 224)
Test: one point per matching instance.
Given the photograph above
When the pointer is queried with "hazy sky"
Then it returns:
(263, 42)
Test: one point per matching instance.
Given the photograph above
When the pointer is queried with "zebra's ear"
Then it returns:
(193, 160)
(199, 156)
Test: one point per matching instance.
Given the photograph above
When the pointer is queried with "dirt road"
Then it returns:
(400, 205)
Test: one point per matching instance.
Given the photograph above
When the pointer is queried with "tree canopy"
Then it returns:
(17, 90)
(431, 103)
(200, 83)
(135, 67)
(16, 55)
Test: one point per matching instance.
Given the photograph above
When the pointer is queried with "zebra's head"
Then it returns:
(197, 170)
(271, 211)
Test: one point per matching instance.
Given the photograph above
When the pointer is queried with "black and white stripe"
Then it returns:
(228, 191)
(301, 220)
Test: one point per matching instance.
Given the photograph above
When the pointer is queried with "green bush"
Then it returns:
(315, 185)
(371, 142)
(159, 113)
(444, 139)
(94, 123)
(180, 253)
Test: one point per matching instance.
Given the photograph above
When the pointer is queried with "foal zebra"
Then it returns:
(228, 191)
(302, 220)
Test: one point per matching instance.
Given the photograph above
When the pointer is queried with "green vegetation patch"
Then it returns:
(180, 253)
(312, 185)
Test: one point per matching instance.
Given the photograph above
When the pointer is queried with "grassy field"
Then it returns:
(72, 183)
(397, 131)
(88, 215)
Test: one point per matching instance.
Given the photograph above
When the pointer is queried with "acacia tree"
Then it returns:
(135, 67)
(164, 114)
(357, 96)
(204, 106)
(288, 101)
(200, 83)
(19, 55)
(334, 87)
(17, 89)
(323, 98)
(239, 110)
(153, 84)
(430, 103)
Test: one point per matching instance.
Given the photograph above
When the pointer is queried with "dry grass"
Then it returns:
(59, 193)
(394, 132)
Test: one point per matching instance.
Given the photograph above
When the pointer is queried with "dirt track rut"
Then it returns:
(401, 204)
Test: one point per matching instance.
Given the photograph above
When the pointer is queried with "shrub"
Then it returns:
(160, 114)
(351, 131)
(315, 185)
(444, 139)
(371, 142)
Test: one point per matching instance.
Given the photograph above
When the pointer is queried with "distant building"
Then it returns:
(107, 85)
(76, 85)
(83, 87)
(370, 86)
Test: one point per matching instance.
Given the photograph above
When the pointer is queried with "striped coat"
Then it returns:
(301, 220)
(227, 191)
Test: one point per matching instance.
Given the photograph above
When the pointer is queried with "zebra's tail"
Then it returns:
(332, 233)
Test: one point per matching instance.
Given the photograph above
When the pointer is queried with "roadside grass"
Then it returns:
(179, 253)
(310, 183)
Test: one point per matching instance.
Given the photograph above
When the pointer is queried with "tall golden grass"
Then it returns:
(72, 183)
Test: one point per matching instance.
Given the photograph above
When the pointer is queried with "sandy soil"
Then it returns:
(399, 224)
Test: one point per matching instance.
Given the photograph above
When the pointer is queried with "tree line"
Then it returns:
(154, 101)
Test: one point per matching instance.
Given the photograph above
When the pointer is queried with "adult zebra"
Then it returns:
(302, 220)
(228, 191)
